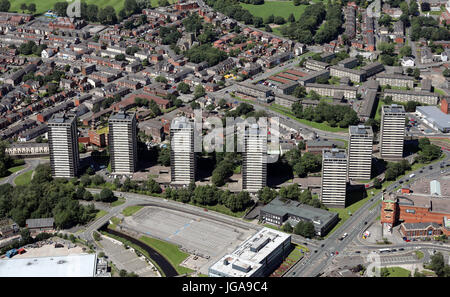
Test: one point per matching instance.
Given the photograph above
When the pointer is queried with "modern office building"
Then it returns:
(254, 159)
(63, 145)
(258, 256)
(360, 152)
(392, 131)
(122, 143)
(334, 177)
(182, 155)
(281, 210)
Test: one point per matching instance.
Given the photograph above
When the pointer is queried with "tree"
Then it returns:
(106, 195)
(164, 157)
(405, 51)
(377, 184)
(308, 230)
(24, 7)
(446, 72)
(131, 6)
(268, 28)
(120, 57)
(416, 73)
(87, 196)
(266, 194)
(60, 8)
(85, 180)
(199, 91)
(4, 5)
(270, 19)
(291, 18)
(184, 88)
(287, 228)
(107, 15)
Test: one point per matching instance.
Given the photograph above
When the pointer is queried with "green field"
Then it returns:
(44, 5)
(170, 251)
(13, 170)
(277, 8)
(24, 178)
(398, 272)
(130, 210)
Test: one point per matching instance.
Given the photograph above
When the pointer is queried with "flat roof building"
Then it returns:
(434, 117)
(258, 256)
(182, 155)
(281, 210)
(360, 152)
(334, 177)
(83, 265)
(122, 142)
(63, 145)
(254, 158)
(392, 131)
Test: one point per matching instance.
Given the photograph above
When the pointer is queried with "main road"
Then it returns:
(139, 199)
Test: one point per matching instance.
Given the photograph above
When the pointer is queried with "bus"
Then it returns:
(384, 250)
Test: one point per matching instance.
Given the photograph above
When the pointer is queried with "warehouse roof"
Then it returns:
(435, 115)
(40, 223)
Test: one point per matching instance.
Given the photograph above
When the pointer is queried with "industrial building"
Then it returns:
(360, 152)
(83, 265)
(182, 155)
(434, 117)
(123, 143)
(281, 210)
(258, 256)
(334, 177)
(392, 131)
(63, 145)
(254, 158)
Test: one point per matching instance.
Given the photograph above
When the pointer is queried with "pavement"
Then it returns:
(316, 263)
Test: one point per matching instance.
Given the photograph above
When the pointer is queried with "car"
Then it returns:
(430, 167)
(365, 223)
(400, 182)
(322, 245)
(337, 253)
(315, 251)
(357, 252)
(421, 171)
(401, 249)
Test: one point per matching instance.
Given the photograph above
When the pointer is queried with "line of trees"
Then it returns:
(44, 197)
(335, 115)
(427, 151)
(210, 195)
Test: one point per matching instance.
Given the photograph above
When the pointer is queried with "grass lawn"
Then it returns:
(16, 168)
(419, 255)
(170, 251)
(277, 8)
(439, 91)
(24, 178)
(118, 202)
(398, 272)
(100, 214)
(321, 126)
(378, 113)
(130, 210)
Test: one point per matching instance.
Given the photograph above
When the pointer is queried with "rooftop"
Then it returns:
(334, 153)
(281, 207)
(435, 115)
(246, 259)
(82, 265)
